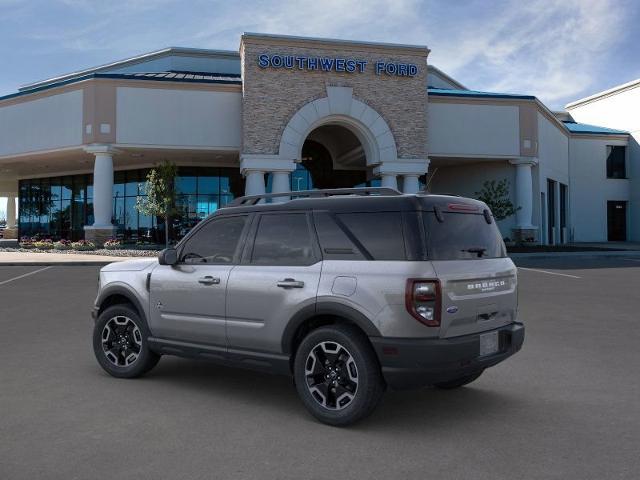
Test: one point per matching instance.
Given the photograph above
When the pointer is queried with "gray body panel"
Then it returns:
(182, 308)
(258, 310)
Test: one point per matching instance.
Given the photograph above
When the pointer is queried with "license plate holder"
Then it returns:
(489, 343)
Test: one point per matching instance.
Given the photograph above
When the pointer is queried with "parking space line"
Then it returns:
(633, 259)
(25, 275)
(548, 272)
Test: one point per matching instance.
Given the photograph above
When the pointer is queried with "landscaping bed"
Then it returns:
(121, 252)
(112, 247)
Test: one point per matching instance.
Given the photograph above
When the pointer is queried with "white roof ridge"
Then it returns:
(604, 93)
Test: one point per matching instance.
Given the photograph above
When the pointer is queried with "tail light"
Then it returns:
(422, 298)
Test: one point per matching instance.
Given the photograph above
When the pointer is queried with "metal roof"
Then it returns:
(176, 75)
(444, 92)
(186, 77)
(575, 127)
(145, 57)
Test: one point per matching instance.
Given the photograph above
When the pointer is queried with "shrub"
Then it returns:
(62, 245)
(26, 242)
(83, 245)
(113, 244)
(43, 244)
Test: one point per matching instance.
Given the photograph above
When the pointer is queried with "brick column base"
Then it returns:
(526, 235)
(10, 233)
(98, 235)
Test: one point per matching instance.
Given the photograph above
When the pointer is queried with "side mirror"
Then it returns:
(168, 256)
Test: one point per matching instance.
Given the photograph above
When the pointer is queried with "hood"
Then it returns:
(134, 265)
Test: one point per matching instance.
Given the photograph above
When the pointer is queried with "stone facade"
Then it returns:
(272, 96)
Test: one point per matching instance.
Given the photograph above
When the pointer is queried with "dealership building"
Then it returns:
(290, 113)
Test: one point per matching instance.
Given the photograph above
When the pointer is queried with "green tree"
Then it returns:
(160, 199)
(496, 196)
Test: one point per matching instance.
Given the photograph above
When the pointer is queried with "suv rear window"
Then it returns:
(462, 236)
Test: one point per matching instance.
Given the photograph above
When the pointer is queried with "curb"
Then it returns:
(55, 264)
(592, 254)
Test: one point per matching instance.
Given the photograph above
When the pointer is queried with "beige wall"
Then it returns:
(272, 96)
(168, 117)
(49, 122)
(460, 129)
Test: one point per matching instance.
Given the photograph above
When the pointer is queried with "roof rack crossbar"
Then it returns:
(254, 199)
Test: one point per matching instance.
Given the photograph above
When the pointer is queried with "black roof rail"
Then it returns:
(254, 199)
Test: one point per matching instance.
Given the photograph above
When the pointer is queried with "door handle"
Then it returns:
(290, 283)
(209, 280)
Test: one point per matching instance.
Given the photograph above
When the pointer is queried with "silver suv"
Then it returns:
(350, 291)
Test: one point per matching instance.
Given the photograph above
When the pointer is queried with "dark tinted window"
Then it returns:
(462, 236)
(283, 239)
(334, 241)
(380, 233)
(216, 242)
(616, 162)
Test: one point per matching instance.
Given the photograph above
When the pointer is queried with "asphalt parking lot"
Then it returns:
(567, 406)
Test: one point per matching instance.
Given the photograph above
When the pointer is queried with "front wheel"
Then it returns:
(120, 343)
(337, 375)
(458, 382)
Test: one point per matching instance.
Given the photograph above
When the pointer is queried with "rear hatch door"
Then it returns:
(478, 281)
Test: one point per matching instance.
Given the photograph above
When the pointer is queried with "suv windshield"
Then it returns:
(462, 236)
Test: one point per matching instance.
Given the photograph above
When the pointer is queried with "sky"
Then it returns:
(558, 50)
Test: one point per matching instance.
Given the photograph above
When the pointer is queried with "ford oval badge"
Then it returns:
(452, 309)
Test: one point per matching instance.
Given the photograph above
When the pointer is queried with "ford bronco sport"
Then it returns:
(350, 291)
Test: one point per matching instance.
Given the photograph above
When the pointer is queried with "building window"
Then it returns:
(616, 161)
(60, 207)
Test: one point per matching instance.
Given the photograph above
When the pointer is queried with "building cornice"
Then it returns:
(120, 80)
(319, 43)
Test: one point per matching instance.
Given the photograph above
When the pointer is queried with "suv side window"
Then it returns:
(216, 242)
(283, 239)
(380, 233)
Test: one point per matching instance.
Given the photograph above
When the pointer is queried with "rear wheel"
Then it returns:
(120, 343)
(337, 375)
(459, 382)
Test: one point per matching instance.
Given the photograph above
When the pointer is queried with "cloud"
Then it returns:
(558, 50)
(551, 49)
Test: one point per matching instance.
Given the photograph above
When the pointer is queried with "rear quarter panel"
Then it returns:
(379, 292)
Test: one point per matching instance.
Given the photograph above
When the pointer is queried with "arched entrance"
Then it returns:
(332, 142)
(334, 157)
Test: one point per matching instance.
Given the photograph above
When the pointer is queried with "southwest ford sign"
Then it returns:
(331, 64)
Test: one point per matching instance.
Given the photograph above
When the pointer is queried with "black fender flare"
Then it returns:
(123, 291)
(326, 308)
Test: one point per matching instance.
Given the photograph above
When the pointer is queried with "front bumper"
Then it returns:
(412, 363)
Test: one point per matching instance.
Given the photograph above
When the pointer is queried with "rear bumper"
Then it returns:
(412, 363)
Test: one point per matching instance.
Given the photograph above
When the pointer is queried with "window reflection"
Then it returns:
(60, 207)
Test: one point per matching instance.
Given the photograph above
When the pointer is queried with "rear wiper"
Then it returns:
(479, 250)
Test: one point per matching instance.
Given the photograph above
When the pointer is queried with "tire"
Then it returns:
(337, 375)
(121, 328)
(458, 382)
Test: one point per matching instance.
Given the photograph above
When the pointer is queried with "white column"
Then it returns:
(280, 184)
(11, 211)
(524, 192)
(410, 183)
(254, 183)
(103, 190)
(389, 180)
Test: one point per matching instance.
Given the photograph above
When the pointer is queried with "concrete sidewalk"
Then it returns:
(45, 259)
